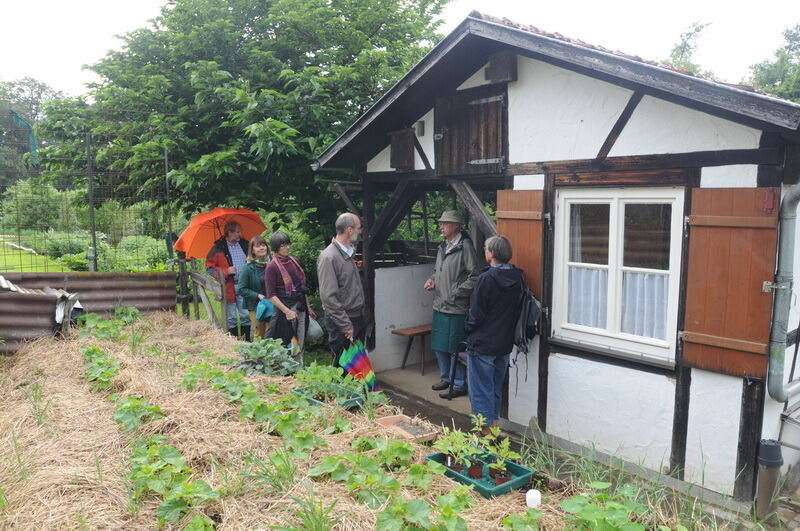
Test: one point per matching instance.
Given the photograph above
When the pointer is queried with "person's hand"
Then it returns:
(291, 315)
(260, 297)
(428, 284)
(231, 270)
(349, 334)
(312, 313)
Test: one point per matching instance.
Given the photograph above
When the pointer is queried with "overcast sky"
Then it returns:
(51, 40)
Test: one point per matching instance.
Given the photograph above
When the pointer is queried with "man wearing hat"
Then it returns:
(453, 277)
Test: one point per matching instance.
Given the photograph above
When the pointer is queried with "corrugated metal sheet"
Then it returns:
(26, 316)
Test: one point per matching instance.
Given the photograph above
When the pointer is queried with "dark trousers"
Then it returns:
(338, 342)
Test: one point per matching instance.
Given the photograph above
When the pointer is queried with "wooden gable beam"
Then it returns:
(474, 206)
(636, 97)
(404, 195)
(339, 189)
(697, 159)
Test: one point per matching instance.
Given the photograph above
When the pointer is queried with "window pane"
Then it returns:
(588, 233)
(647, 235)
(588, 296)
(644, 304)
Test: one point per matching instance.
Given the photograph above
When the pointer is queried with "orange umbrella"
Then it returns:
(208, 227)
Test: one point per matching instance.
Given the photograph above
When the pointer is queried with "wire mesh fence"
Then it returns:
(68, 204)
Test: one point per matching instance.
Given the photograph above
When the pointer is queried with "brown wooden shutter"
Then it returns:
(519, 218)
(470, 132)
(401, 151)
(732, 248)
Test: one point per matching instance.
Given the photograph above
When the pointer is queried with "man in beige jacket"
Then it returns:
(340, 287)
(452, 281)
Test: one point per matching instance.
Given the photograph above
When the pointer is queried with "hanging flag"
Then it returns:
(356, 362)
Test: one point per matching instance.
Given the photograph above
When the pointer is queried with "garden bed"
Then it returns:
(68, 464)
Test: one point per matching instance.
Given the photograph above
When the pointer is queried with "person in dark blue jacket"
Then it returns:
(493, 312)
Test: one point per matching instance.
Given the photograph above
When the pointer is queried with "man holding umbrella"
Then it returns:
(224, 261)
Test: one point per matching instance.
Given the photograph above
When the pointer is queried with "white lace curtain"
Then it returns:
(644, 301)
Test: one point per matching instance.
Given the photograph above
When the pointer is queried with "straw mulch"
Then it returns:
(64, 461)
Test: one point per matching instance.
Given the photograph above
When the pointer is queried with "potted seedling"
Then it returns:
(457, 448)
(501, 448)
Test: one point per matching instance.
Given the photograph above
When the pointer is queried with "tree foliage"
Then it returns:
(781, 75)
(27, 96)
(243, 93)
(682, 55)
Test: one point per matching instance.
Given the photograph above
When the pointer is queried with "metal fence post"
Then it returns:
(92, 254)
(183, 284)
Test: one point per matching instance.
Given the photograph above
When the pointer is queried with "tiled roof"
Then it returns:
(577, 42)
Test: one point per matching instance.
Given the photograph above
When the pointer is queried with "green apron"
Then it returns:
(448, 331)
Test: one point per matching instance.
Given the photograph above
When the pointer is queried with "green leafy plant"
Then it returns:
(200, 523)
(97, 327)
(501, 448)
(527, 521)
(405, 514)
(600, 509)
(100, 369)
(132, 410)
(326, 383)
(161, 469)
(267, 356)
(421, 476)
(183, 497)
(201, 372)
(451, 505)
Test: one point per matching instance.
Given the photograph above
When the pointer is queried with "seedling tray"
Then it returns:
(407, 428)
(520, 476)
(347, 399)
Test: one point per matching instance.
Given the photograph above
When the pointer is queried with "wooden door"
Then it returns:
(519, 218)
(470, 132)
(732, 248)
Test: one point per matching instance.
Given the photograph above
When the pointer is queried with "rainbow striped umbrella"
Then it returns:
(356, 362)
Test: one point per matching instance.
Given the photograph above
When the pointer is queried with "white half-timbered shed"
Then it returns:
(644, 205)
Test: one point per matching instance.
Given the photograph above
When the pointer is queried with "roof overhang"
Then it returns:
(469, 46)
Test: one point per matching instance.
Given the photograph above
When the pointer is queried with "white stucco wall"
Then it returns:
(400, 302)
(523, 376)
(555, 114)
(477, 79)
(737, 176)
(623, 412)
(382, 161)
(658, 126)
(529, 182)
(715, 402)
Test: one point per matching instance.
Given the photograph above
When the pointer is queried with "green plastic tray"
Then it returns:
(520, 476)
(348, 400)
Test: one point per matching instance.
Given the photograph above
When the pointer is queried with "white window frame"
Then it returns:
(611, 340)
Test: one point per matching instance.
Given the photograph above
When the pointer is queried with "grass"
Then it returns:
(666, 507)
(13, 260)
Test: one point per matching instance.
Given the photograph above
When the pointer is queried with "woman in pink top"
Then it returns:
(285, 286)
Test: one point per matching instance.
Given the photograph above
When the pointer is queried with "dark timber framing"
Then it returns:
(626, 114)
(473, 43)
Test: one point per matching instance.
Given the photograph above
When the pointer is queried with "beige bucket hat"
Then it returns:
(451, 216)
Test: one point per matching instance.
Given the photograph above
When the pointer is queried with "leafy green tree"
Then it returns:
(243, 93)
(27, 96)
(682, 55)
(781, 75)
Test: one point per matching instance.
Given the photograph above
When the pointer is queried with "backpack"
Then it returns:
(527, 327)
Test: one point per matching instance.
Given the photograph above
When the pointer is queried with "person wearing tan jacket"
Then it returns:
(340, 287)
(452, 281)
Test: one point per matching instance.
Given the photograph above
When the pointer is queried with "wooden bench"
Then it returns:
(415, 331)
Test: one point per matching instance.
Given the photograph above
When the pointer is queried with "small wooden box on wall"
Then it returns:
(401, 151)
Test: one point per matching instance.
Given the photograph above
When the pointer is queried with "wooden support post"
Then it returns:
(425, 222)
(183, 284)
(368, 221)
(205, 284)
(195, 300)
(402, 199)
(474, 206)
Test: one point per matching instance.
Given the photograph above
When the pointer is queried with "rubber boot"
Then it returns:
(246, 334)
